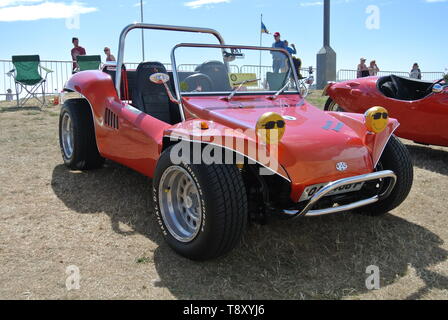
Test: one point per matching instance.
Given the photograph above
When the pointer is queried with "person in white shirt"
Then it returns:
(373, 69)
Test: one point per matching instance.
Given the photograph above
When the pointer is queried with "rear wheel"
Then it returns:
(77, 136)
(201, 209)
(332, 105)
(397, 158)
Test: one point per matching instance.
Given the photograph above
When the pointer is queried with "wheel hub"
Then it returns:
(181, 206)
(67, 136)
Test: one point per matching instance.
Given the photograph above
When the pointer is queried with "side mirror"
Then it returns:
(159, 78)
(163, 78)
(438, 88)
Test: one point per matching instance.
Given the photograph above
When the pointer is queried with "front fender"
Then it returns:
(376, 143)
(246, 144)
(95, 86)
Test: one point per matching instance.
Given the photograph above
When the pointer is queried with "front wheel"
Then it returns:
(396, 158)
(332, 105)
(201, 209)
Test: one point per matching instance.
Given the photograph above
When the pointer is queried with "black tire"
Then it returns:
(224, 209)
(329, 106)
(397, 158)
(85, 155)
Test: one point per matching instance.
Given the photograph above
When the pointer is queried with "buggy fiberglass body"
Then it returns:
(229, 146)
(420, 106)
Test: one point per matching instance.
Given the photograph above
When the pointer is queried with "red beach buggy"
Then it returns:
(229, 145)
(420, 106)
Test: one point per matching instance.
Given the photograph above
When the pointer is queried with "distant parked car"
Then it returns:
(421, 107)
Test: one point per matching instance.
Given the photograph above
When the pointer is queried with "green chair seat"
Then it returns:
(88, 62)
(27, 69)
(27, 73)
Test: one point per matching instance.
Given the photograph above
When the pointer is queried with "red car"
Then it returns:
(420, 106)
(224, 147)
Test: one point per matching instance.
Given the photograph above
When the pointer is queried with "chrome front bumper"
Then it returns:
(307, 211)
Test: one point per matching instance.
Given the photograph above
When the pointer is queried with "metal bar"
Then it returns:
(143, 31)
(198, 45)
(130, 27)
(341, 183)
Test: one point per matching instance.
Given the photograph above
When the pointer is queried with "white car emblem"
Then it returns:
(342, 166)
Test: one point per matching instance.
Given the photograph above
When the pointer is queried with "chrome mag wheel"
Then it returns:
(180, 204)
(333, 106)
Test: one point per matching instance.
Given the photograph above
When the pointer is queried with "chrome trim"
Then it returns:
(126, 30)
(385, 145)
(340, 183)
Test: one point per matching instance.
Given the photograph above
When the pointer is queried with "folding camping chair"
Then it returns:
(88, 63)
(27, 74)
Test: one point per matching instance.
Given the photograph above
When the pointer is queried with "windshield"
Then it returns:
(203, 70)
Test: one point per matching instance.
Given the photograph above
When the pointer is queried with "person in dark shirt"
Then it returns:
(363, 70)
(77, 51)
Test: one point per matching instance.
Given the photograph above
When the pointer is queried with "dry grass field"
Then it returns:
(102, 222)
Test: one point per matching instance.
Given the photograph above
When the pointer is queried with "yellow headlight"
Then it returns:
(376, 119)
(271, 127)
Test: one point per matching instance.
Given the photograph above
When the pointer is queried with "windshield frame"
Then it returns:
(179, 94)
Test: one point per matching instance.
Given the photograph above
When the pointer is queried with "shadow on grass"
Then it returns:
(426, 158)
(319, 258)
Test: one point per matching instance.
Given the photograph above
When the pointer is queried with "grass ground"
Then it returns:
(102, 222)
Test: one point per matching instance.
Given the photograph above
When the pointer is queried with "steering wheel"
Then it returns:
(199, 82)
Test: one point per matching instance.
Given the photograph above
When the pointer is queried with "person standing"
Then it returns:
(363, 70)
(416, 73)
(278, 58)
(109, 56)
(77, 51)
(292, 50)
(373, 69)
(9, 96)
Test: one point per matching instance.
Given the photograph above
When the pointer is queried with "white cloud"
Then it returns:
(433, 1)
(26, 10)
(200, 3)
(6, 3)
(138, 4)
(311, 4)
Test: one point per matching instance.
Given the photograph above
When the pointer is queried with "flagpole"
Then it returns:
(143, 32)
(261, 42)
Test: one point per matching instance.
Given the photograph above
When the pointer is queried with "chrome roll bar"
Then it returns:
(341, 183)
(124, 33)
(222, 47)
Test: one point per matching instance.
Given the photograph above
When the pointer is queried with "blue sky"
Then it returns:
(408, 31)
